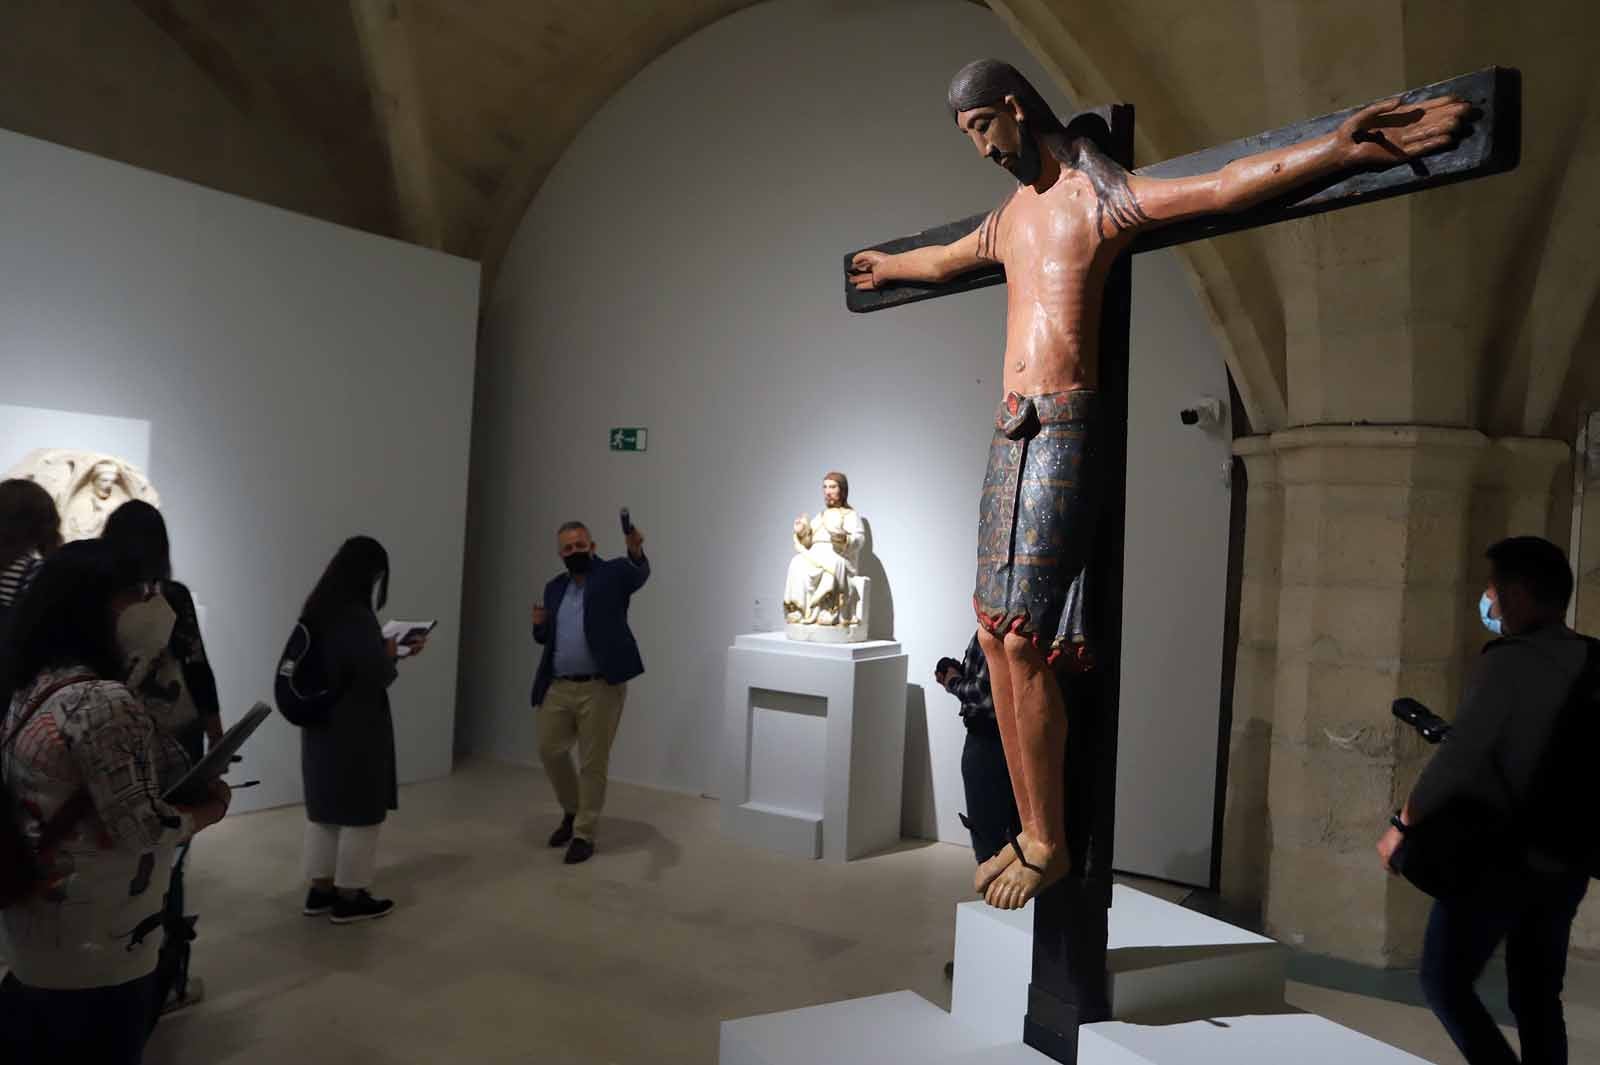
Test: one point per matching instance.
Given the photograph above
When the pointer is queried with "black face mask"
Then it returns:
(579, 562)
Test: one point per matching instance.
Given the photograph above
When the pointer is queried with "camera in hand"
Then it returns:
(1429, 725)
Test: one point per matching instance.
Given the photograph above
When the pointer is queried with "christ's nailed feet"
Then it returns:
(990, 870)
(1041, 866)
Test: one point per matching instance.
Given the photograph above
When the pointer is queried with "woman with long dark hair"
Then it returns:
(80, 759)
(165, 656)
(348, 762)
(165, 665)
(30, 529)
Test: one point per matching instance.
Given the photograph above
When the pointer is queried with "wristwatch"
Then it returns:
(1394, 819)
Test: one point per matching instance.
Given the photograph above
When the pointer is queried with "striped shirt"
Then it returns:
(15, 578)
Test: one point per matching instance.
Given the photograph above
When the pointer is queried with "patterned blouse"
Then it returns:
(166, 665)
(106, 876)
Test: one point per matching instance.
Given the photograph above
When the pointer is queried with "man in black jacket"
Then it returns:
(1500, 738)
(991, 814)
(589, 657)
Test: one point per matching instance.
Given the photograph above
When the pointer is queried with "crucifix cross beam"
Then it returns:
(1491, 146)
(1069, 982)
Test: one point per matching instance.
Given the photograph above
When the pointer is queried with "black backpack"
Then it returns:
(305, 694)
(1561, 819)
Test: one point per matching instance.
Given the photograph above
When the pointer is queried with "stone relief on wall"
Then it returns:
(86, 485)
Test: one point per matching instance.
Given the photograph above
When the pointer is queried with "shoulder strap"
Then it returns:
(39, 701)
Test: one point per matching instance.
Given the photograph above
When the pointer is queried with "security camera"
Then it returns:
(1207, 413)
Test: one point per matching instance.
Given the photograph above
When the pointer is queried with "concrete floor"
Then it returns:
(499, 953)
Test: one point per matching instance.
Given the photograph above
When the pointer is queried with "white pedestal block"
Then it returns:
(1161, 961)
(897, 1027)
(1255, 1039)
(1199, 992)
(813, 746)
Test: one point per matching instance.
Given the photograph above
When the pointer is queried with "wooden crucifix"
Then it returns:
(1053, 499)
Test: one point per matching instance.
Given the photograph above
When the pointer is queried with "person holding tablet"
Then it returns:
(80, 758)
(348, 762)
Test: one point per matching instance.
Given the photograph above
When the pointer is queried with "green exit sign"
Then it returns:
(629, 439)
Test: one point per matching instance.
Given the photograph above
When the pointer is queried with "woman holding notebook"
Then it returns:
(348, 762)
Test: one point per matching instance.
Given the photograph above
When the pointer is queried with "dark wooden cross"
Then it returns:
(1069, 986)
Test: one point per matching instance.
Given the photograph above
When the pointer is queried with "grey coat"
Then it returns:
(348, 764)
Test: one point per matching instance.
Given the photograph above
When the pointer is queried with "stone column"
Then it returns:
(1586, 933)
(1246, 845)
(1372, 605)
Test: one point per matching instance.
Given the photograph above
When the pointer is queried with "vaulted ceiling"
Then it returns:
(429, 120)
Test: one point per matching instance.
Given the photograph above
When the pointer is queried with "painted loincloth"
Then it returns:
(1037, 519)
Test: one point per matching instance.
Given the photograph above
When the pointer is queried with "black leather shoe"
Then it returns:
(563, 835)
(581, 850)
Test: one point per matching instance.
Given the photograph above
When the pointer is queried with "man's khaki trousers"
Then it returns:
(586, 712)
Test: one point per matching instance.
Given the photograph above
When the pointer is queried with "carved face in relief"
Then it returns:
(832, 493)
(105, 478)
(1000, 134)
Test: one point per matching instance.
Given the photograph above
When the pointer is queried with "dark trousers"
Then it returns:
(991, 809)
(104, 1025)
(1533, 916)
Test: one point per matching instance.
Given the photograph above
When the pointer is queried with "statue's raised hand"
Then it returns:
(1388, 132)
(801, 525)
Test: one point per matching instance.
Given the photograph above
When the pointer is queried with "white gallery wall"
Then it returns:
(301, 383)
(681, 271)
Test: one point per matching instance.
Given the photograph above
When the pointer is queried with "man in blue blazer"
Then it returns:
(589, 657)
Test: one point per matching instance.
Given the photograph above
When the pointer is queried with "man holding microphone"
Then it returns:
(589, 657)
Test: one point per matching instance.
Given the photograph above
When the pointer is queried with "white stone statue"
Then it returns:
(86, 485)
(825, 597)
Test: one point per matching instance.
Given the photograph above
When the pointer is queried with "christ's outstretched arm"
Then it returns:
(1383, 134)
(936, 262)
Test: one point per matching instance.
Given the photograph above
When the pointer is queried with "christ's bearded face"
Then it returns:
(1000, 133)
(832, 494)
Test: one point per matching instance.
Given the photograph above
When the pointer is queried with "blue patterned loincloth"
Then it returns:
(1037, 519)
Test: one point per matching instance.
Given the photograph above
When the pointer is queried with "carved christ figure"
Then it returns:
(92, 504)
(1057, 235)
(827, 554)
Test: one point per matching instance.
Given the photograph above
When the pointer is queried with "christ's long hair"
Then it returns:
(844, 485)
(987, 82)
